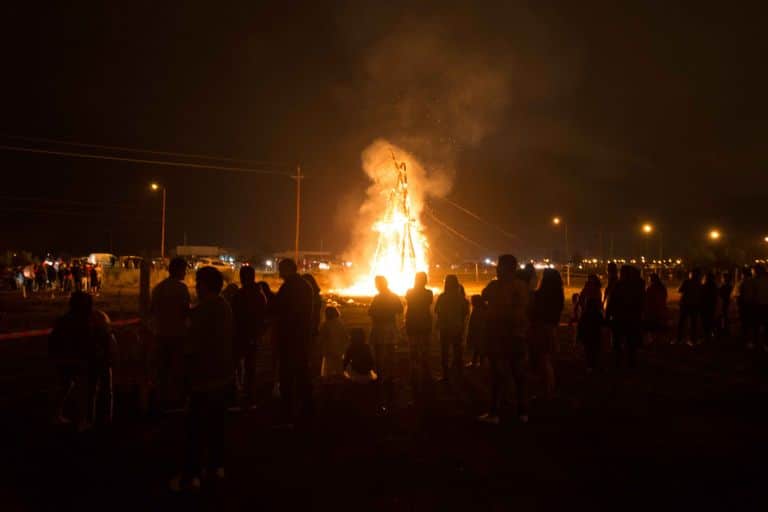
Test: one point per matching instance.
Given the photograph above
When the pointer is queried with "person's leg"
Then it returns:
(304, 375)
(445, 346)
(496, 383)
(517, 364)
(618, 345)
(287, 383)
(681, 324)
(695, 318)
(216, 412)
(249, 367)
(66, 383)
(458, 354)
(194, 428)
(414, 357)
(424, 344)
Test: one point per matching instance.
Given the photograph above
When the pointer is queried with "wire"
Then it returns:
(143, 161)
(477, 217)
(67, 201)
(453, 231)
(135, 150)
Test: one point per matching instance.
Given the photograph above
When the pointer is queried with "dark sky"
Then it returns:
(605, 113)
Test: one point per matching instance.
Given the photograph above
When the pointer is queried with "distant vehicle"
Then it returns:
(130, 262)
(217, 264)
(102, 258)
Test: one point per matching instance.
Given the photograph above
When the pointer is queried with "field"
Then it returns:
(685, 431)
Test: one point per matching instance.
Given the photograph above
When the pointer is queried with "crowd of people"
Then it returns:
(59, 275)
(203, 356)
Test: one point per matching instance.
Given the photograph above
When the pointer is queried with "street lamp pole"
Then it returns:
(162, 230)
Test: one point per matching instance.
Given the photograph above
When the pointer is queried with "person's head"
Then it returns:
(287, 268)
(507, 266)
(309, 278)
(593, 281)
(265, 289)
(208, 282)
(727, 278)
(451, 284)
(420, 280)
(381, 284)
(331, 313)
(655, 279)
(247, 275)
(710, 277)
(80, 304)
(613, 269)
(759, 270)
(551, 280)
(357, 336)
(177, 269)
(477, 301)
(696, 274)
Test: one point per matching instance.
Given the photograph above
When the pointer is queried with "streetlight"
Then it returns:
(155, 187)
(557, 221)
(714, 234)
(648, 229)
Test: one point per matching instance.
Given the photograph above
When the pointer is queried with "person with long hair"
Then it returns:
(656, 313)
(548, 303)
(452, 309)
(590, 326)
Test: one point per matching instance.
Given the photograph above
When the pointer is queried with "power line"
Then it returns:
(477, 217)
(146, 151)
(67, 202)
(453, 231)
(142, 161)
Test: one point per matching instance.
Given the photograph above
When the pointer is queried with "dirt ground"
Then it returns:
(684, 431)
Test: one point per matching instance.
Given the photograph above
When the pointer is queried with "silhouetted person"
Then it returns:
(249, 307)
(94, 280)
(507, 298)
(761, 305)
(747, 305)
(358, 361)
(725, 292)
(333, 341)
(51, 274)
(709, 297)
(266, 290)
(451, 310)
(476, 330)
(169, 311)
(384, 310)
(317, 306)
(292, 310)
(656, 312)
(77, 276)
(530, 276)
(209, 379)
(590, 321)
(418, 326)
(548, 303)
(690, 307)
(625, 312)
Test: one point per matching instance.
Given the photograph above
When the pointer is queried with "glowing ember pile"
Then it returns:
(401, 247)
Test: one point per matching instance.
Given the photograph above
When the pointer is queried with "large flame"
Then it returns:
(396, 246)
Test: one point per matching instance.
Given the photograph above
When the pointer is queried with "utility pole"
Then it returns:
(298, 179)
(162, 230)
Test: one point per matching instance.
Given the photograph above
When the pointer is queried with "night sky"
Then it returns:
(607, 114)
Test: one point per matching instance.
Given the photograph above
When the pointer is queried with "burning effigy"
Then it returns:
(390, 239)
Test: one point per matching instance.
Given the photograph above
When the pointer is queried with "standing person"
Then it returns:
(64, 282)
(333, 341)
(625, 311)
(476, 331)
(249, 308)
(726, 290)
(656, 312)
(451, 310)
(418, 327)
(82, 345)
(384, 310)
(77, 275)
(548, 303)
(292, 310)
(95, 281)
(208, 379)
(317, 306)
(51, 274)
(690, 307)
(746, 304)
(709, 296)
(507, 298)
(530, 276)
(761, 306)
(169, 311)
(590, 326)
